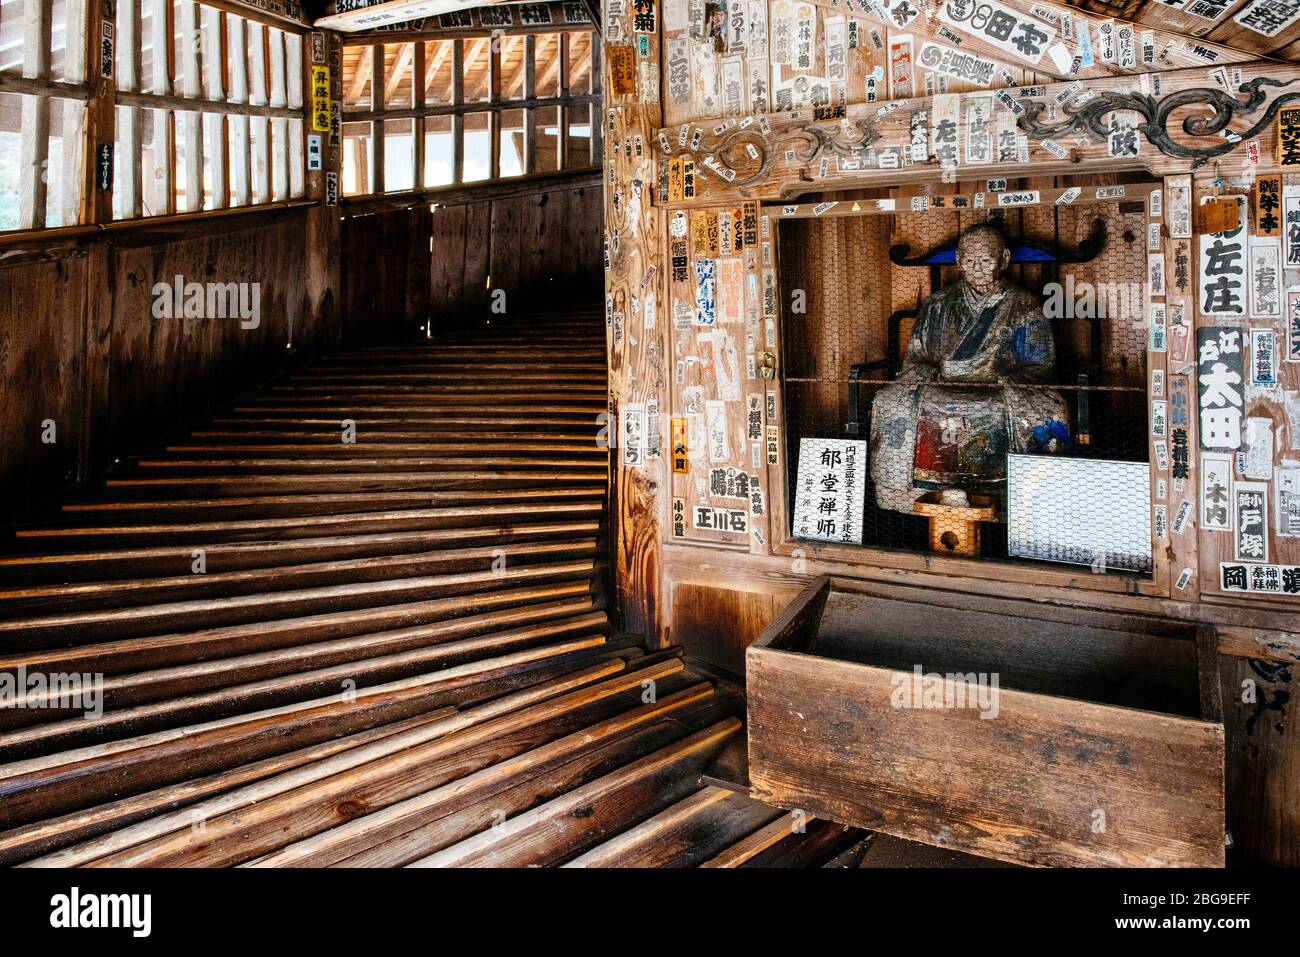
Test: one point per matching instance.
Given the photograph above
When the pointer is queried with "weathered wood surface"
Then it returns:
(1027, 786)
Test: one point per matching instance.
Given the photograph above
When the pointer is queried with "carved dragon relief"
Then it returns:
(1088, 117)
(849, 138)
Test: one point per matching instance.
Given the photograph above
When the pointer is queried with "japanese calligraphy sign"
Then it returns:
(1263, 358)
(622, 69)
(1266, 278)
(710, 519)
(1288, 136)
(1268, 206)
(1009, 30)
(681, 456)
(1223, 268)
(829, 490)
(1268, 17)
(643, 16)
(1291, 227)
(1293, 327)
(320, 99)
(1220, 389)
(956, 63)
(1216, 483)
(1250, 512)
(1180, 207)
(1275, 579)
(632, 438)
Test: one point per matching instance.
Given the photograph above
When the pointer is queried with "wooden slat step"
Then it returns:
(459, 636)
(685, 835)
(358, 462)
(447, 822)
(419, 810)
(84, 596)
(347, 406)
(270, 506)
(44, 630)
(134, 654)
(116, 563)
(354, 481)
(562, 828)
(272, 814)
(487, 440)
(481, 450)
(44, 837)
(138, 704)
(58, 783)
(500, 516)
(383, 419)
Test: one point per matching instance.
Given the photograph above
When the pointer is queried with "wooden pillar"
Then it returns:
(634, 269)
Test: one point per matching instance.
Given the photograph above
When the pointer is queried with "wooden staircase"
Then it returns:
(360, 619)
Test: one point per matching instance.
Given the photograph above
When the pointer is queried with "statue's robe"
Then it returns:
(955, 411)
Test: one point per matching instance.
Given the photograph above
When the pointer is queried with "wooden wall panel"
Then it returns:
(541, 249)
(42, 308)
(387, 276)
(79, 343)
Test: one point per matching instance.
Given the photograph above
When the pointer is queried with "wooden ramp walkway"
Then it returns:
(359, 620)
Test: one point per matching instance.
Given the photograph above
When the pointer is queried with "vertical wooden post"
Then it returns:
(530, 93)
(34, 143)
(191, 131)
(634, 270)
(458, 119)
(494, 97)
(418, 82)
(377, 100)
(240, 144)
(214, 125)
(562, 145)
(129, 188)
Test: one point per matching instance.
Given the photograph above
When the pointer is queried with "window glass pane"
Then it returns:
(399, 155)
(399, 92)
(259, 138)
(127, 144)
(512, 67)
(548, 139)
(579, 146)
(478, 148)
(214, 161)
(548, 64)
(189, 157)
(579, 62)
(512, 138)
(478, 56)
(438, 59)
(358, 159)
(10, 140)
(439, 151)
(155, 163)
(356, 77)
(11, 49)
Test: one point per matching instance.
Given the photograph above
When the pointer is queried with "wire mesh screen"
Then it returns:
(849, 313)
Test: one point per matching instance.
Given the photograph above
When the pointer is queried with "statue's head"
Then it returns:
(982, 255)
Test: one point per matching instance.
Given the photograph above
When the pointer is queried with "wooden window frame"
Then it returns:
(494, 105)
(204, 101)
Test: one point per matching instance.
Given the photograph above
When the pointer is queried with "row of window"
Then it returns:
(468, 109)
(243, 145)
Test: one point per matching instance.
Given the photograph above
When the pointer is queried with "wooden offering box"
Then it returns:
(1103, 743)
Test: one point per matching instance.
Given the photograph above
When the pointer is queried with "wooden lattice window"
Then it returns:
(475, 107)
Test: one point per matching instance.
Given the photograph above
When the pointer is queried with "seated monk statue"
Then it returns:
(955, 409)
